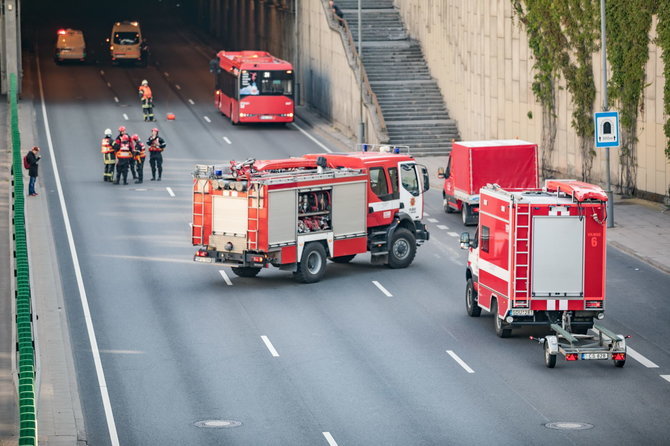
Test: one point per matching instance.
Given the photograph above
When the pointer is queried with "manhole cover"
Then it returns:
(569, 425)
(217, 424)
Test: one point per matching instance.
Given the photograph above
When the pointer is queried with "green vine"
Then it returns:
(628, 24)
(663, 41)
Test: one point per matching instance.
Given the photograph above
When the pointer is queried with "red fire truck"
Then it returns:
(295, 213)
(538, 258)
(511, 164)
(253, 86)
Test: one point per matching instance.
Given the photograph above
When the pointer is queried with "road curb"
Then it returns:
(631, 252)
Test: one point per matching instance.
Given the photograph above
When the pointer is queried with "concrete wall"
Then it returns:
(482, 62)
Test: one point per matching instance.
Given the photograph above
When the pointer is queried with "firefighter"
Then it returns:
(108, 157)
(140, 154)
(156, 146)
(147, 101)
(123, 156)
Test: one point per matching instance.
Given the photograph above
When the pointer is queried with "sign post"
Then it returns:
(607, 138)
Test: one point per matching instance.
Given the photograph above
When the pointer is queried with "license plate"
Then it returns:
(266, 117)
(595, 356)
(522, 312)
(203, 259)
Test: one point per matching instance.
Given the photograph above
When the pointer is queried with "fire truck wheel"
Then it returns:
(402, 249)
(445, 204)
(312, 264)
(471, 306)
(549, 359)
(343, 259)
(469, 219)
(501, 326)
(246, 271)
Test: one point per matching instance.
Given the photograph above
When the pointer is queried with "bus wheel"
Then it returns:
(312, 264)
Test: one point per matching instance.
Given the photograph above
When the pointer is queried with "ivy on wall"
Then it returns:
(628, 25)
(663, 41)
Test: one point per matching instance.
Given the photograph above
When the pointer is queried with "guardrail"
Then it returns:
(354, 59)
(25, 341)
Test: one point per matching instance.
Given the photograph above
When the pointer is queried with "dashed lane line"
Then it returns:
(206, 118)
(226, 278)
(177, 86)
(453, 234)
(125, 116)
(190, 101)
(166, 74)
(329, 438)
(116, 99)
(666, 377)
(442, 227)
(432, 220)
(460, 361)
(225, 138)
(382, 289)
(109, 84)
(169, 190)
(641, 359)
(270, 347)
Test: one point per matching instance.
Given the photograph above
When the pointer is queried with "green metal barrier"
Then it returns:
(24, 321)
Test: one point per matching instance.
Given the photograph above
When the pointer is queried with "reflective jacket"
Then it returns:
(106, 146)
(124, 152)
(145, 92)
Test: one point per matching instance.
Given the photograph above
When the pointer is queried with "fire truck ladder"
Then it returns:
(254, 204)
(198, 229)
(522, 255)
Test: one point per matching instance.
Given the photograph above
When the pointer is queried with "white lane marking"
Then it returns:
(318, 143)
(95, 352)
(426, 214)
(442, 227)
(453, 234)
(166, 74)
(102, 72)
(177, 86)
(460, 361)
(190, 101)
(125, 116)
(225, 138)
(666, 377)
(382, 289)
(225, 277)
(270, 347)
(432, 220)
(116, 99)
(641, 359)
(169, 189)
(206, 119)
(109, 84)
(329, 438)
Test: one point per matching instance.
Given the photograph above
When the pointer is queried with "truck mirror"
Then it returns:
(465, 240)
(426, 179)
(440, 172)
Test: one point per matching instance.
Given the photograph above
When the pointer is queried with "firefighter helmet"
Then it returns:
(145, 82)
(154, 130)
(125, 138)
(108, 133)
(135, 137)
(122, 129)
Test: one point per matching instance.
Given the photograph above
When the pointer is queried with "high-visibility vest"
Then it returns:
(106, 146)
(124, 152)
(145, 91)
(139, 151)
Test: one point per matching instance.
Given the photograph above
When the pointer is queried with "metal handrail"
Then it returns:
(369, 96)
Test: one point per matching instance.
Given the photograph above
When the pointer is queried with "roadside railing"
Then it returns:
(25, 341)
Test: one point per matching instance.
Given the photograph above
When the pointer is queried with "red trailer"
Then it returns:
(511, 164)
(538, 258)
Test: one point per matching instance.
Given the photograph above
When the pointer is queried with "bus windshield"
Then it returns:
(266, 83)
(126, 38)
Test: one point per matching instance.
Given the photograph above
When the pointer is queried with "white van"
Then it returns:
(125, 43)
(70, 45)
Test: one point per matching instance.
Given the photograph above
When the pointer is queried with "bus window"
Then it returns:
(266, 83)
(395, 191)
(409, 180)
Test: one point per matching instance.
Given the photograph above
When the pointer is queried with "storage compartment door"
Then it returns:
(558, 257)
(349, 209)
(282, 216)
(230, 215)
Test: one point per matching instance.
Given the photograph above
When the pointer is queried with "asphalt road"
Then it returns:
(337, 362)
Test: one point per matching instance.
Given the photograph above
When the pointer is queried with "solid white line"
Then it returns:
(329, 438)
(109, 84)
(432, 220)
(382, 289)
(641, 359)
(207, 119)
(460, 361)
(102, 383)
(190, 101)
(125, 116)
(169, 189)
(453, 234)
(225, 138)
(116, 99)
(270, 347)
(442, 227)
(177, 86)
(225, 277)
(666, 377)
(311, 137)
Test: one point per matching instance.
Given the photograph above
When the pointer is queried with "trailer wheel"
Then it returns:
(499, 324)
(549, 359)
(402, 249)
(471, 306)
(469, 217)
(312, 264)
(343, 259)
(619, 363)
(246, 271)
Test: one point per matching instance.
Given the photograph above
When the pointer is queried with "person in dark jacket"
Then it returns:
(156, 146)
(336, 10)
(33, 158)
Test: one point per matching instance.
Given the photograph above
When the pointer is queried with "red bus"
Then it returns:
(253, 86)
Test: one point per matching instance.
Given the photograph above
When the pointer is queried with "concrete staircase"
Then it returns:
(411, 102)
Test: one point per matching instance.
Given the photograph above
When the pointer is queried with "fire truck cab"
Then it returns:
(296, 213)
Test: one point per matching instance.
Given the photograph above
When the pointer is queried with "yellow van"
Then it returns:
(125, 43)
(70, 45)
